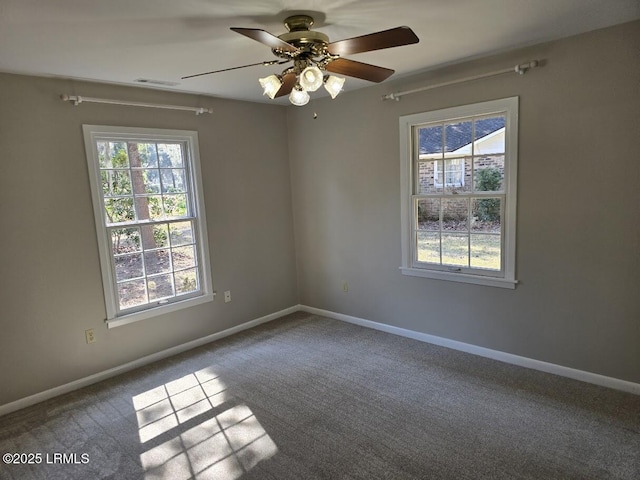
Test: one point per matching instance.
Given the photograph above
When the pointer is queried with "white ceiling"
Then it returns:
(119, 41)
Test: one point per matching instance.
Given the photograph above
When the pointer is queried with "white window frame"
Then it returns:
(409, 151)
(115, 316)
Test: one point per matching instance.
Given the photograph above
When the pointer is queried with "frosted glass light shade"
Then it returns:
(333, 85)
(299, 97)
(271, 85)
(311, 79)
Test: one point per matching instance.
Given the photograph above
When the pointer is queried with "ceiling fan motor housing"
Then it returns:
(311, 43)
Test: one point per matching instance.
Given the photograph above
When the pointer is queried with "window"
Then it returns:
(150, 220)
(453, 173)
(458, 171)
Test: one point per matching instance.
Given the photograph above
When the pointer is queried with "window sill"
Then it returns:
(159, 310)
(460, 277)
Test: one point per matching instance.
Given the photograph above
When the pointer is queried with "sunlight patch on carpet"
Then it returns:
(223, 446)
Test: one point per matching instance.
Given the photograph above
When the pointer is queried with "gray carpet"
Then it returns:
(307, 397)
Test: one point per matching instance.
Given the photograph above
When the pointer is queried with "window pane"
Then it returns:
(183, 257)
(148, 155)
(429, 214)
(128, 267)
(485, 251)
(170, 155)
(430, 140)
(119, 210)
(150, 181)
(175, 205)
(157, 261)
(457, 137)
(186, 281)
(486, 214)
(455, 250)
(490, 135)
(149, 207)
(426, 177)
(181, 233)
(160, 287)
(456, 176)
(173, 180)
(489, 173)
(104, 161)
(132, 294)
(155, 236)
(455, 214)
(428, 247)
(125, 240)
(112, 154)
(115, 182)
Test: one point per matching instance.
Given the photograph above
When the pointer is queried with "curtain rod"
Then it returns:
(520, 69)
(77, 100)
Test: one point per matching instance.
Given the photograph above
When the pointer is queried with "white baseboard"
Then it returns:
(112, 372)
(581, 375)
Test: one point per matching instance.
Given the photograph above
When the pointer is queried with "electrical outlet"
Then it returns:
(345, 286)
(90, 335)
(227, 296)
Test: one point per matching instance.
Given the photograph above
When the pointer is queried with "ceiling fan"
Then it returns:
(312, 54)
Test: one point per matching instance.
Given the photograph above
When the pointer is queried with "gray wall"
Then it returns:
(51, 287)
(578, 231)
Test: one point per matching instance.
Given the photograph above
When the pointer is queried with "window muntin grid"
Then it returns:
(458, 216)
(148, 201)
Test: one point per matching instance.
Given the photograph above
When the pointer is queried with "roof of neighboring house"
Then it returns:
(457, 134)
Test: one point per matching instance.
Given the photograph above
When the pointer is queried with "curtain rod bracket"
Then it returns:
(391, 96)
(66, 98)
(522, 69)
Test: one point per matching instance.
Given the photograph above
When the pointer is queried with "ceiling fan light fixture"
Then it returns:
(311, 79)
(333, 85)
(298, 96)
(271, 85)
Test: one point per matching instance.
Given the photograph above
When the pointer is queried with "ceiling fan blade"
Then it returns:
(266, 38)
(288, 82)
(394, 37)
(266, 63)
(361, 70)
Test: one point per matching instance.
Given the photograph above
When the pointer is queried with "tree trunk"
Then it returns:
(141, 202)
